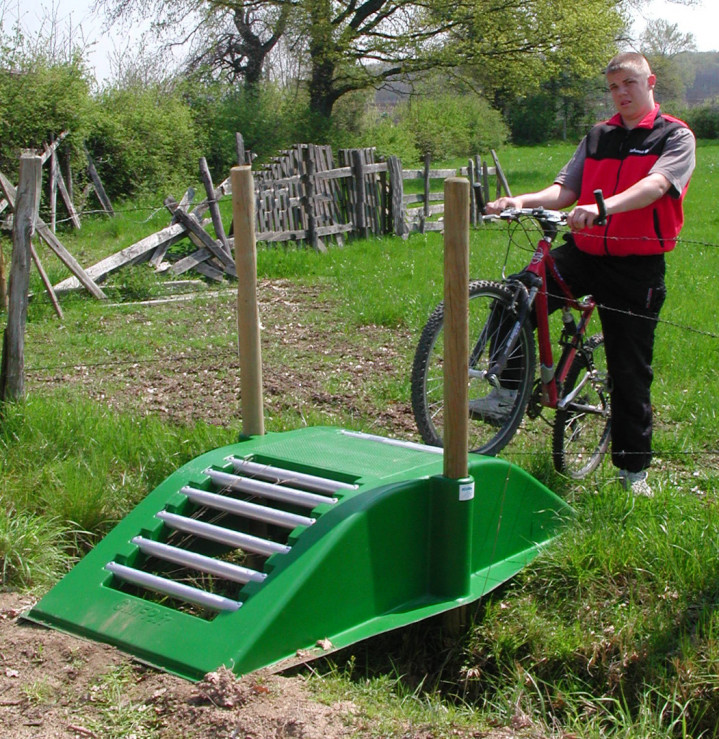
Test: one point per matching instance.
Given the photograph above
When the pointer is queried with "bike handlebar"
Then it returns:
(555, 217)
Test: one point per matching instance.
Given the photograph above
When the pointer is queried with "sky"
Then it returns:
(701, 21)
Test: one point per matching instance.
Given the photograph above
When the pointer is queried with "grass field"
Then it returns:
(612, 632)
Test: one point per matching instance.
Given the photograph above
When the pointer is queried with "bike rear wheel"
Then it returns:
(495, 412)
(582, 429)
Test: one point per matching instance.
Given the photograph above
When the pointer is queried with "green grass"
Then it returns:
(72, 468)
(612, 632)
(118, 715)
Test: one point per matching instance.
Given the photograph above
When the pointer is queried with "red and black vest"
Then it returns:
(617, 158)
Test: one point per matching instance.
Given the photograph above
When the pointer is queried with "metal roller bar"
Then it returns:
(268, 489)
(247, 509)
(174, 589)
(212, 532)
(394, 442)
(281, 475)
(225, 570)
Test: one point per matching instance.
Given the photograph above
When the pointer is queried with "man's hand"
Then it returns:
(583, 216)
(497, 206)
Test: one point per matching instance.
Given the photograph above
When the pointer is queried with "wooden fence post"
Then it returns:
(97, 184)
(456, 331)
(12, 373)
(248, 318)
(501, 179)
(310, 198)
(212, 202)
(53, 187)
(425, 207)
(396, 188)
(360, 194)
(3, 281)
(240, 148)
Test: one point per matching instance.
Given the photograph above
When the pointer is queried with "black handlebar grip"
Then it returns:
(601, 219)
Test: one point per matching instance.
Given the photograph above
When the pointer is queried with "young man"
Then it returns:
(642, 161)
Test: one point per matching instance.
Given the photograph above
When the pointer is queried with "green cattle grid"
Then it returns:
(297, 543)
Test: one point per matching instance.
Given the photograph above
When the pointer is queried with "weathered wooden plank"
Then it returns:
(212, 203)
(53, 191)
(338, 173)
(193, 226)
(67, 199)
(360, 194)
(419, 197)
(69, 261)
(336, 228)
(168, 235)
(3, 283)
(171, 234)
(428, 226)
(434, 174)
(500, 174)
(97, 184)
(210, 270)
(53, 242)
(427, 185)
(308, 201)
(49, 149)
(294, 235)
(240, 148)
(58, 183)
(396, 189)
(190, 261)
(159, 254)
(46, 282)
(375, 167)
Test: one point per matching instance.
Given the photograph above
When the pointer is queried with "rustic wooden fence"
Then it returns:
(303, 196)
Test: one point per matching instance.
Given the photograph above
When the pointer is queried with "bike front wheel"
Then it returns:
(495, 410)
(582, 429)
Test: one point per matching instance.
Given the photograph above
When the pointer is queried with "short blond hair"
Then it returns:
(629, 60)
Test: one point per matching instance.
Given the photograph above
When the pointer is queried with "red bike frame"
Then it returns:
(549, 376)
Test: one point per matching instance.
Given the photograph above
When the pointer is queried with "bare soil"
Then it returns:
(53, 685)
(304, 350)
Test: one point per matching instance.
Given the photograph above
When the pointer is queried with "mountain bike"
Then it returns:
(502, 384)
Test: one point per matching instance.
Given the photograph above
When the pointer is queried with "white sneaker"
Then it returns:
(494, 406)
(636, 482)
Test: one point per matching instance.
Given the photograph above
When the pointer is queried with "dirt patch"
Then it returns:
(55, 685)
(312, 364)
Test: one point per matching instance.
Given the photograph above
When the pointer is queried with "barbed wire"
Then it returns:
(534, 230)
(631, 314)
(100, 211)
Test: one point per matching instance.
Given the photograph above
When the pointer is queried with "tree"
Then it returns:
(348, 45)
(661, 38)
(226, 39)
(40, 97)
(661, 43)
(238, 40)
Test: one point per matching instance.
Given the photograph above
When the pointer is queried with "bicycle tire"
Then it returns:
(489, 303)
(581, 438)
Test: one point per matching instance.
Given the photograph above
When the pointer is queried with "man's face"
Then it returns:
(632, 93)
